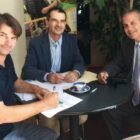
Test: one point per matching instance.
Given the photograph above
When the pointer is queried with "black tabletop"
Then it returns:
(105, 97)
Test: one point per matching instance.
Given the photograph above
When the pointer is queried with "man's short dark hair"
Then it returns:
(60, 10)
(12, 22)
(127, 11)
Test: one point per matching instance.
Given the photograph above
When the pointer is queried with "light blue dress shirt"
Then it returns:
(55, 48)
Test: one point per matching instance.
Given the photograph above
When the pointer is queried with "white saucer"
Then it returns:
(85, 89)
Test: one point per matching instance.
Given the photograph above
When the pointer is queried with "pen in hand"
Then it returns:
(60, 102)
(54, 88)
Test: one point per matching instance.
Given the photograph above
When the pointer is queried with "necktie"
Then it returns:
(135, 77)
(56, 59)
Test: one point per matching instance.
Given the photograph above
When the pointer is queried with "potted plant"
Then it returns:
(106, 29)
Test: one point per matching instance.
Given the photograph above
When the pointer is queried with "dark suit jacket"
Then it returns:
(123, 63)
(38, 59)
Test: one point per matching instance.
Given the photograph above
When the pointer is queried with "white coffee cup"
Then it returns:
(79, 85)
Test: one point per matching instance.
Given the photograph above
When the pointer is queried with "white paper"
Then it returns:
(68, 100)
(65, 100)
(26, 96)
(50, 86)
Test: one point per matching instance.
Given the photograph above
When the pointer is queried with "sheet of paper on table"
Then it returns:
(65, 100)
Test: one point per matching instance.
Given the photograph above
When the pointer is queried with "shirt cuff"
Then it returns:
(79, 74)
(45, 77)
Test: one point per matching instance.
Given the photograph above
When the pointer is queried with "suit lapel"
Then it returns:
(131, 51)
(46, 51)
(63, 51)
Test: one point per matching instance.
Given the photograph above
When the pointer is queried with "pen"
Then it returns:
(93, 90)
(54, 88)
(60, 102)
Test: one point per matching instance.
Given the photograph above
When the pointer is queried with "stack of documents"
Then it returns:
(65, 100)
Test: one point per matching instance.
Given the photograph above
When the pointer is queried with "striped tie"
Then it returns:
(56, 60)
(135, 77)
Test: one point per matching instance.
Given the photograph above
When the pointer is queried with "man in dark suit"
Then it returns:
(125, 62)
(54, 57)
(54, 53)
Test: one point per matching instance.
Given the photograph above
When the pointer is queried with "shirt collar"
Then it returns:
(137, 43)
(59, 41)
